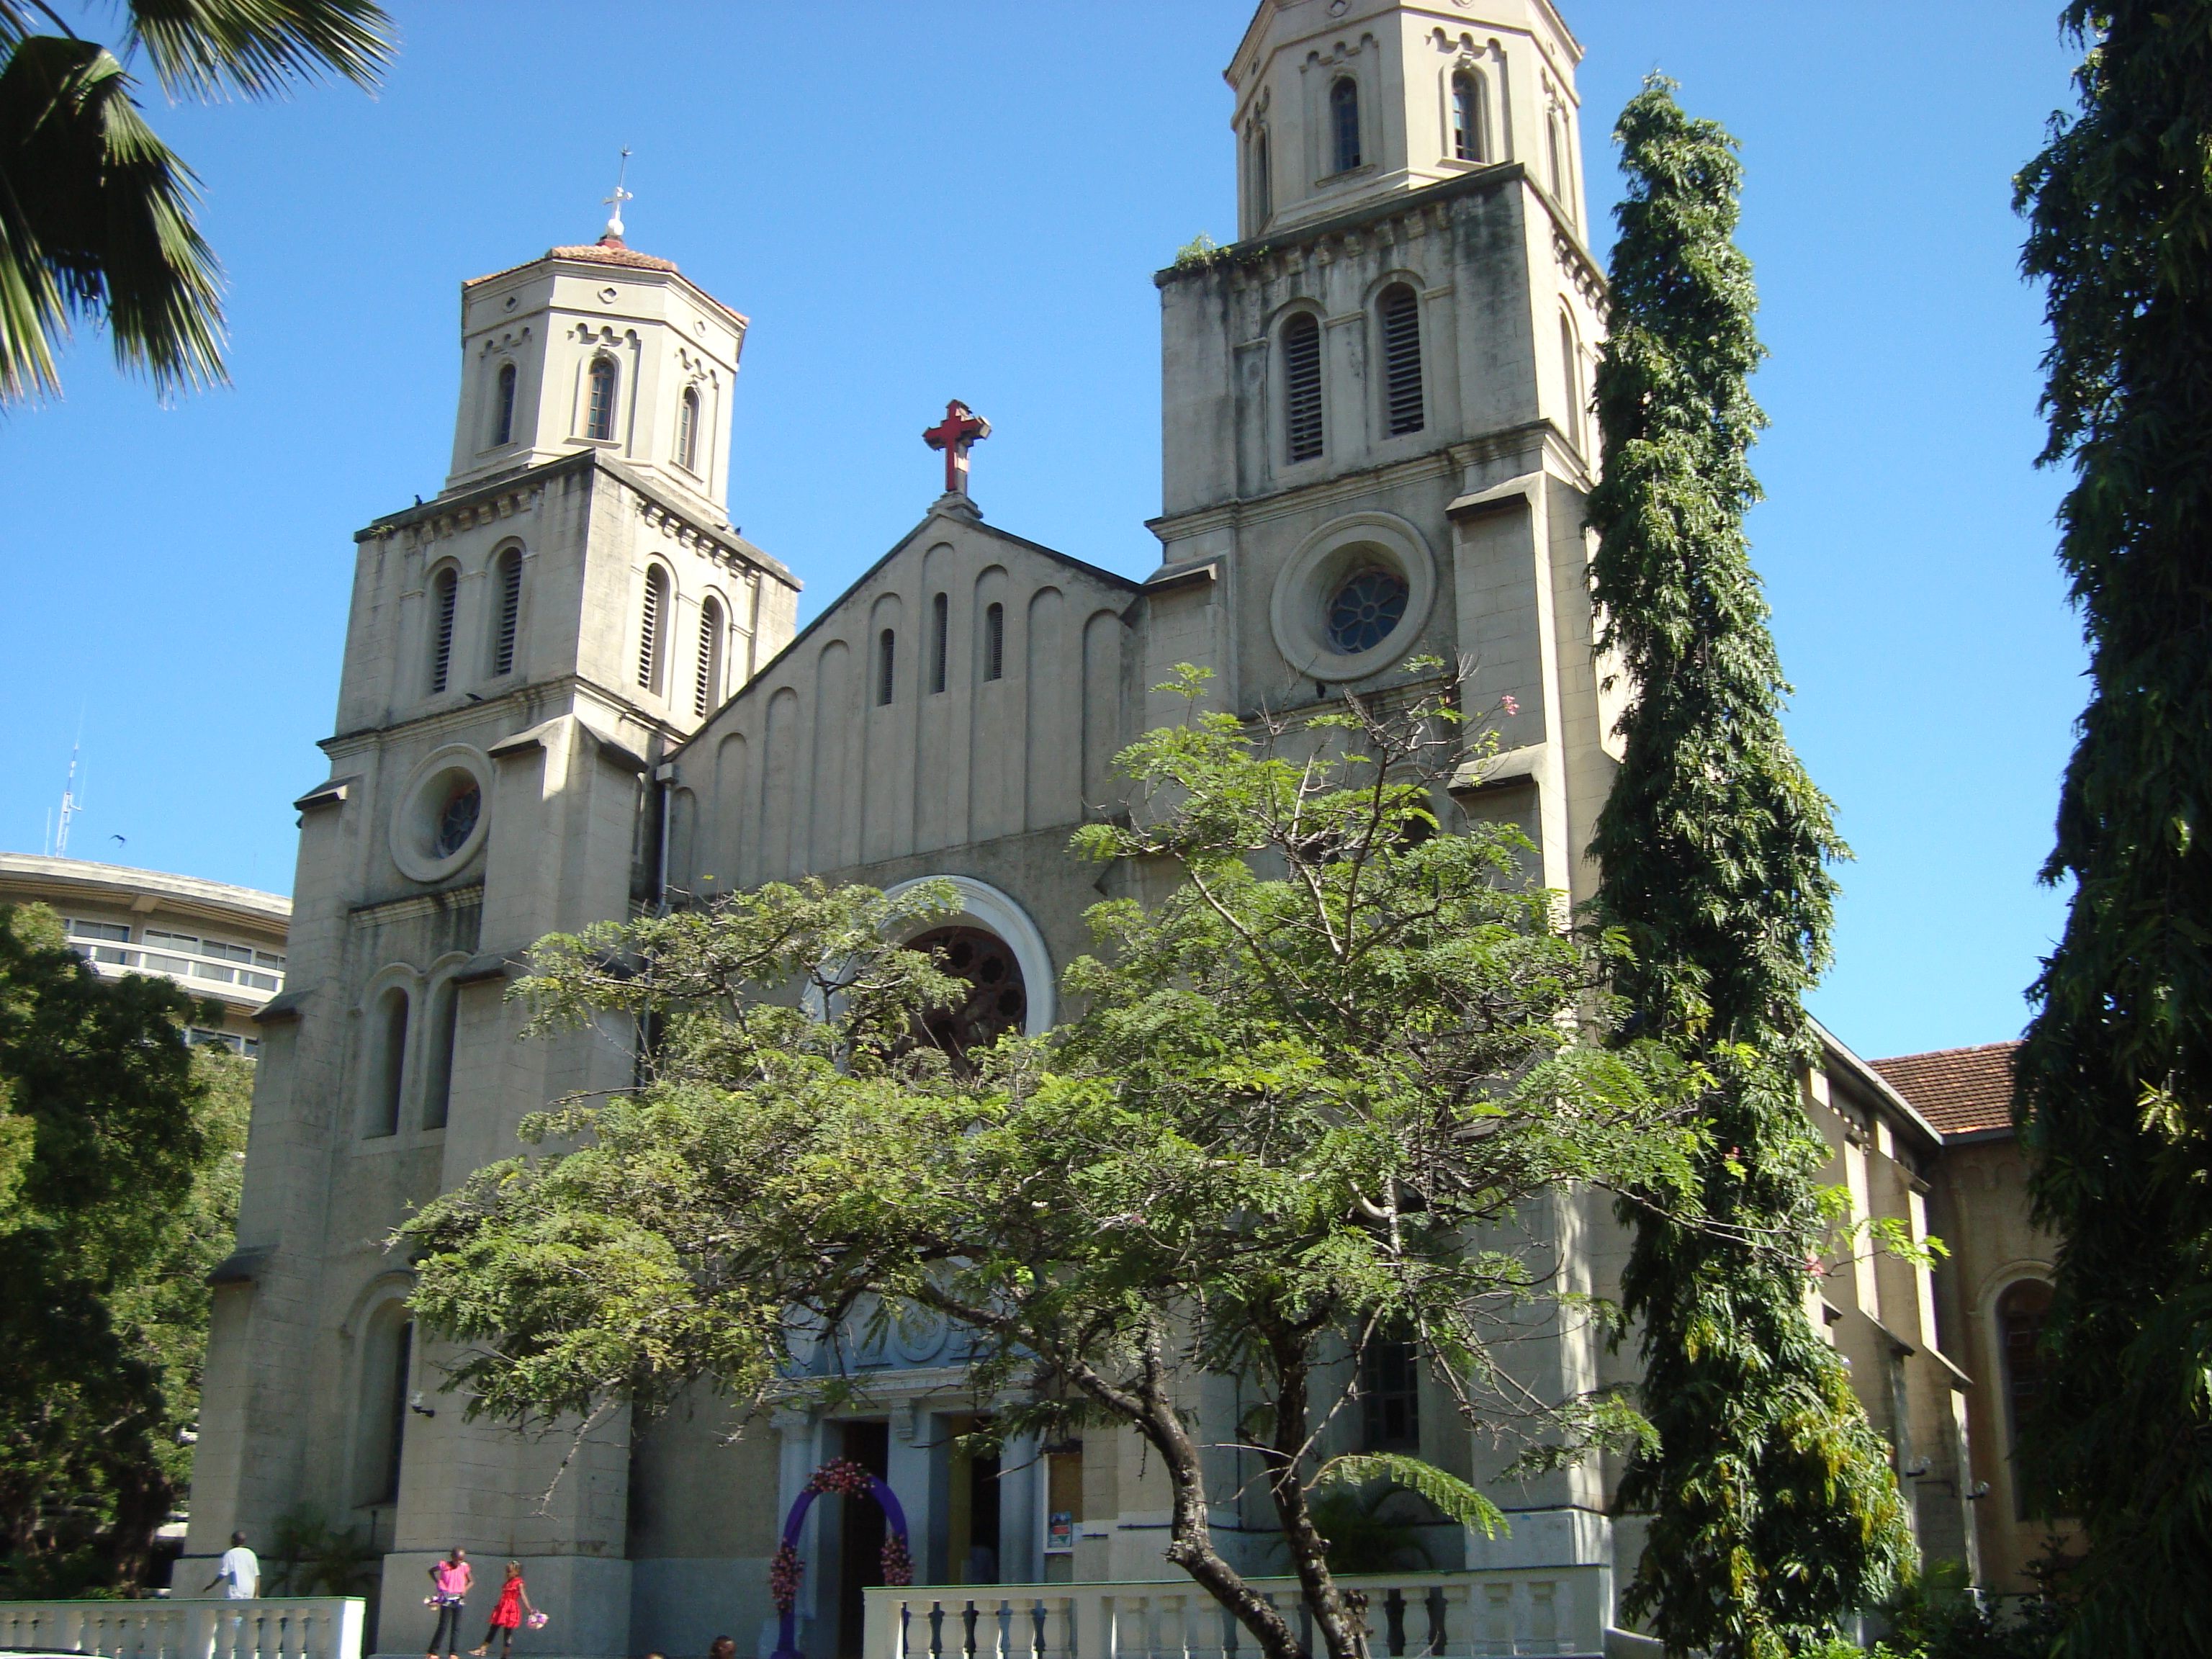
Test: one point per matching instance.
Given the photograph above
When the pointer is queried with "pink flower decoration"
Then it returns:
(783, 1576)
(1510, 705)
(845, 1478)
(898, 1565)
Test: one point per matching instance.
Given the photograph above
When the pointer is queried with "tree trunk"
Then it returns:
(1308, 1549)
(143, 1498)
(1151, 1407)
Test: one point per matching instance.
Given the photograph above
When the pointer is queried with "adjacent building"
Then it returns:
(219, 942)
(1992, 1286)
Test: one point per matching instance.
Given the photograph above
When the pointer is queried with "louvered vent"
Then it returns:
(1302, 386)
(446, 591)
(648, 631)
(510, 612)
(710, 658)
(1401, 358)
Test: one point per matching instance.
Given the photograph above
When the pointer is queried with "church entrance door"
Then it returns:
(859, 1533)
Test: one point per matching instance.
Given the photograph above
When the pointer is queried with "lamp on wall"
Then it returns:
(416, 1406)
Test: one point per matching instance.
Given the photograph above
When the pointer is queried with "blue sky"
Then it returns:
(919, 201)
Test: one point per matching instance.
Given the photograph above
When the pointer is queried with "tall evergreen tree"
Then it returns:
(1773, 1511)
(2114, 1083)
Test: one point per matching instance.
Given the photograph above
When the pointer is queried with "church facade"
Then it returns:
(572, 691)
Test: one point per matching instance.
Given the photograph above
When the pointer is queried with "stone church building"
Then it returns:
(572, 691)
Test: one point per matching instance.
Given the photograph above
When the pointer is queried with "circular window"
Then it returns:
(1354, 599)
(439, 820)
(997, 1001)
(456, 819)
(1365, 610)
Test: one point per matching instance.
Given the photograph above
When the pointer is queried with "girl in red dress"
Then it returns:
(506, 1617)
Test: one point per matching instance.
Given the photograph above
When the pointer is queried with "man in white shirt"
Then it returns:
(240, 1572)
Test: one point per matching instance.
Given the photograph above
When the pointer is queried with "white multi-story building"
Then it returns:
(216, 941)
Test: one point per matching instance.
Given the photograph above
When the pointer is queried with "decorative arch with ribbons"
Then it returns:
(848, 1480)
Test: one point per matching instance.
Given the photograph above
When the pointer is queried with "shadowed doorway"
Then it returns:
(860, 1533)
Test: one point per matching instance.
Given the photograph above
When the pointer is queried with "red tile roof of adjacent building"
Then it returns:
(607, 251)
(1959, 1090)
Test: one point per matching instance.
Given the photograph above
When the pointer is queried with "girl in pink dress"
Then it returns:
(449, 1589)
(506, 1617)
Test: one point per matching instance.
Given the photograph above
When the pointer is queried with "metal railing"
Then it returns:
(273, 1627)
(1557, 1612)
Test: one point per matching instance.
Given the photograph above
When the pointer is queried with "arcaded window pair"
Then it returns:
(652, 644)
(507, 616)
(1397, 330)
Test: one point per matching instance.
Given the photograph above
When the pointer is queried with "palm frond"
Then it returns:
(14, 22)
(208, 48)
(95, 219)
(1452, 1496)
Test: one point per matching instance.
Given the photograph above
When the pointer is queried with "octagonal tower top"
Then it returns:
(1341, 101)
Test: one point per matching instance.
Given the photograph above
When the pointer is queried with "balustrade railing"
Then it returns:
(1557, 1611)
(275, 1627)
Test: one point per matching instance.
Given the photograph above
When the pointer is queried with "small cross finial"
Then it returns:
(614, 219)
(960, 428)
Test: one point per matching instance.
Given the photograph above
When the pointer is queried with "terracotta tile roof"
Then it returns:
(1959, 1090)
(607, 251)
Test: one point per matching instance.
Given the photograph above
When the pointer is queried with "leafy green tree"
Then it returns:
(1773, 1512)
(124, 1187)
(2114, 1081)
(96, 211)
(1312, 1082)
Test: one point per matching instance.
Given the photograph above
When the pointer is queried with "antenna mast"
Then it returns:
(71, 805)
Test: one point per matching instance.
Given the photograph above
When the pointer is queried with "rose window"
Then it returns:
(1364, 611)
(997, 1002)
(456, 819)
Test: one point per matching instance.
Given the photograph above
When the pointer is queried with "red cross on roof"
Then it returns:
(960, 428)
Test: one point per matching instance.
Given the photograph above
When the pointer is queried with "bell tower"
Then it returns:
(523, 655)
(1377, 449)
(598, 347)
(1339, 102)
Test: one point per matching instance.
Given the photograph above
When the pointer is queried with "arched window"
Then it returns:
(708, 691)
(385, 1368)
(600, 409)
(503, 424)
(994, 642)
(2020, 1313)
(387, 1068)
(1400, 311)
(2022, 1310)
(1344, 124)
(1263, 178)
(1302, 386)
(1570, 361)
(1555, 154)
(1390, 1396)
(886, 662)
(940, 617)
(653, 620)
(508, 616)
(687, 430)
(1470, 119)
(438, 1081)
(445, 597)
